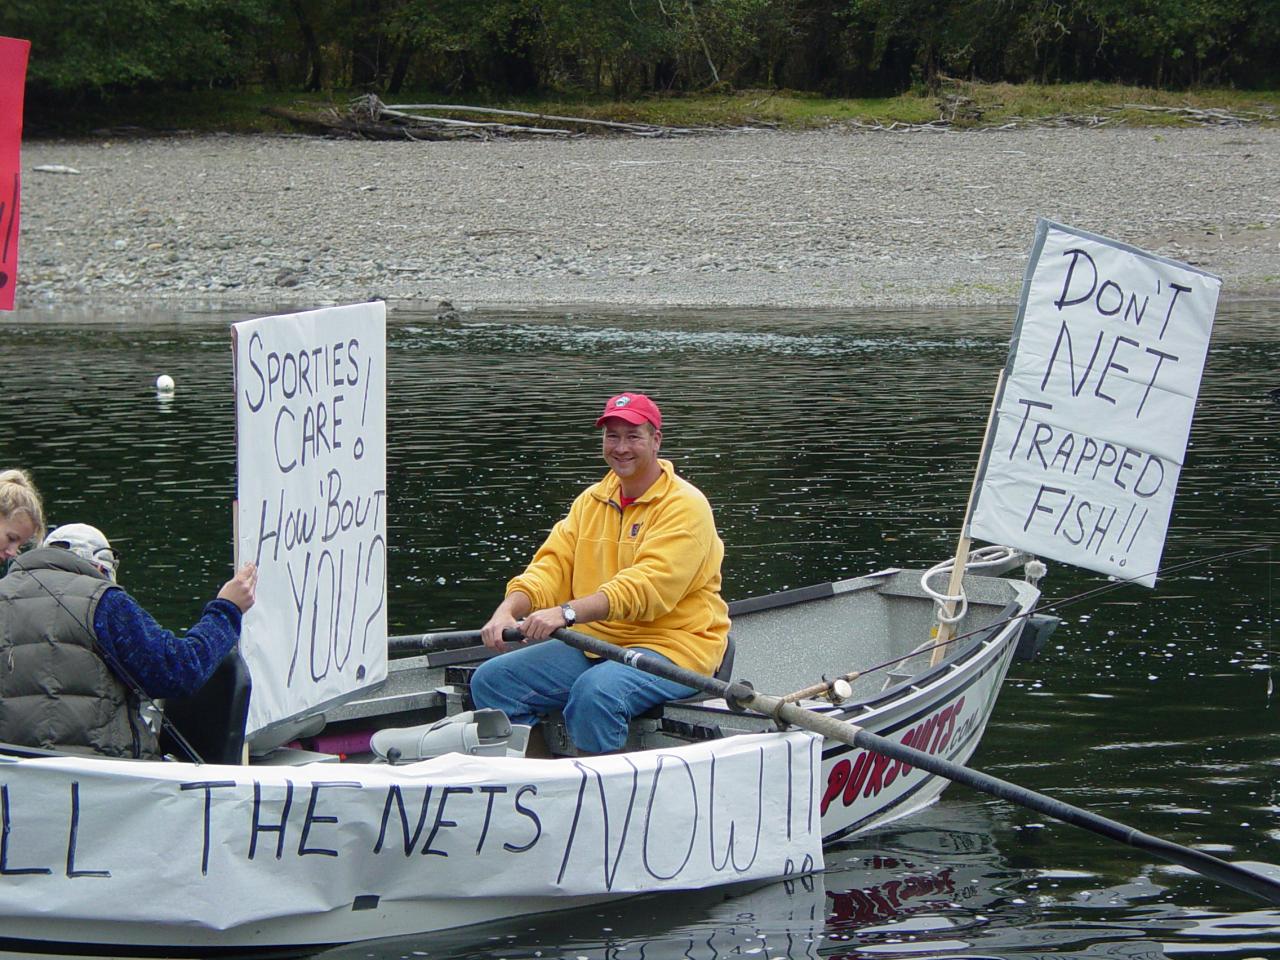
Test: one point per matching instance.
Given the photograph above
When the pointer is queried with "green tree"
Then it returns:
(630, 47)
(101, 45)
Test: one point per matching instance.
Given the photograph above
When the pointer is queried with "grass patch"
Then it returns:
(782, 108)
(963, 104)
(998, 103)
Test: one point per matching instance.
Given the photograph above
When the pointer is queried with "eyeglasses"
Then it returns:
(109, 557)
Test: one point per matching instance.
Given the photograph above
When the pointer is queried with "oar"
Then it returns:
(1250, 879)
(444, 647)
(433, 642)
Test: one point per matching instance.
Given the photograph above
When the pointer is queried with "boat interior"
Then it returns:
(880, 626)
(875, 632)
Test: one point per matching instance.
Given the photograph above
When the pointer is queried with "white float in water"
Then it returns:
(164, 383)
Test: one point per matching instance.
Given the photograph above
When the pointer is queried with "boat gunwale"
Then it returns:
(1012, 617)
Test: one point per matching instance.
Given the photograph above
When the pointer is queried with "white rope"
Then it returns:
(982, 557)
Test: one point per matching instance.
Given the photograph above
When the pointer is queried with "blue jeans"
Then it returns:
(598, 697)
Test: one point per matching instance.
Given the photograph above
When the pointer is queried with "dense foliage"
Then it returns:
(630, 47)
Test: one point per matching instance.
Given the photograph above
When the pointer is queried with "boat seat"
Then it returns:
(211, 719)
(461, 675)
(724, 673)
(284, 732)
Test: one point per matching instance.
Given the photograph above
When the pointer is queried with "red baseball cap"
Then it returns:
(633, 408)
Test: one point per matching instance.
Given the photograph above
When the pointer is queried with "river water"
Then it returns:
(830, 445)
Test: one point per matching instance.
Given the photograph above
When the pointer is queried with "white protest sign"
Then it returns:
(222, 847)
(311, 483)
(1091, 427)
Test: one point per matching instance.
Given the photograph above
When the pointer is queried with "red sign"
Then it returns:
(13, 74)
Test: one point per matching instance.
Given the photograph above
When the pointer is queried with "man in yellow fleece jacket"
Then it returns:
(635, 562)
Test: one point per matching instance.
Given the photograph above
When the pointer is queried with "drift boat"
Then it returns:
(320, 839)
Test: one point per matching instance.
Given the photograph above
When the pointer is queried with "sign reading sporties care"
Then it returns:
(1091, 427)
(312, 511)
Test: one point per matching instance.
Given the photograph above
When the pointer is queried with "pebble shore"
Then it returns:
(833, 219)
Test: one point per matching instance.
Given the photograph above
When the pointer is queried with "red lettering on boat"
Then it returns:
(860, 770)
(875, 780)
(836, 780)
(868, 773)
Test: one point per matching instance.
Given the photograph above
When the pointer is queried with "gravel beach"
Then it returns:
(826, 219)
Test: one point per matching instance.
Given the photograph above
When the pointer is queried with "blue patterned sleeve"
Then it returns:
(162, 664)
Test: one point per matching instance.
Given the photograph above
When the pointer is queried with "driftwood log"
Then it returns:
(368, 117)
(426, 113)
(334, 124)
(399, 114)
(1210, 115)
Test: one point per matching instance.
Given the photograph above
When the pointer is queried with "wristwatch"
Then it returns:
(570, 615)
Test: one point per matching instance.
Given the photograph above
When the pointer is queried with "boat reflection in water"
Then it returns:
(902, 894)
(783, 918)
(936, 886)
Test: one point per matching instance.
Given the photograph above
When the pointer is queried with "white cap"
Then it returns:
(88, 543)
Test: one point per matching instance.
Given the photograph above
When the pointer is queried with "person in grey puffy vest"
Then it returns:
(80, 658)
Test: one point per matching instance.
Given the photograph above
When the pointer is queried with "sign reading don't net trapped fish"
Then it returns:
(1091, 427)
(312, 505)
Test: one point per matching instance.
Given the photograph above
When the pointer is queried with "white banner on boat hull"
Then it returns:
(1091, 427)
(311, 484)
(219, 847)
